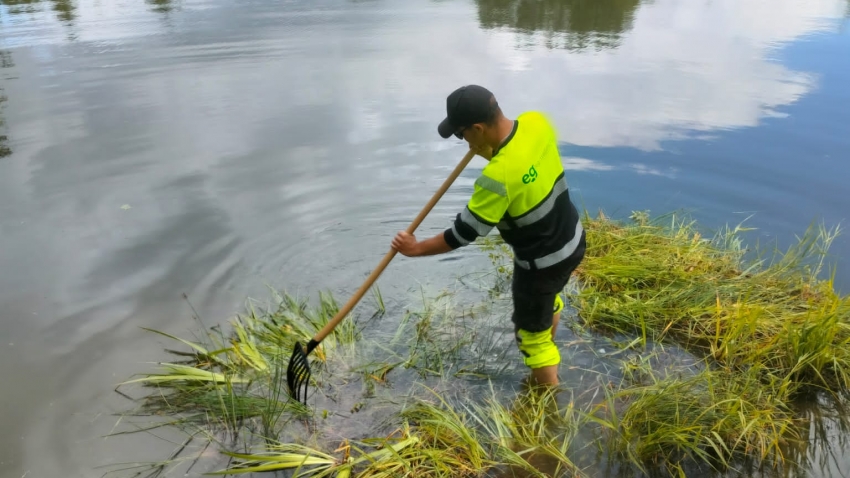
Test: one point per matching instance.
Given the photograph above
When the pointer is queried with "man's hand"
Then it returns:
(406, 244)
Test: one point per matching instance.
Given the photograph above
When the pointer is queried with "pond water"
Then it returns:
(217, 148)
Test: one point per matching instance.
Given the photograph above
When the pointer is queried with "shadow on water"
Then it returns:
(65, 9)
(5, 62)
(569, 24)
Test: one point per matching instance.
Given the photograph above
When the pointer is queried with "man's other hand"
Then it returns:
(406, 244)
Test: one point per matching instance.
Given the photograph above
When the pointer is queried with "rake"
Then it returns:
(298, 371)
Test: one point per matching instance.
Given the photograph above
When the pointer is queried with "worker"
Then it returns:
(523, 192)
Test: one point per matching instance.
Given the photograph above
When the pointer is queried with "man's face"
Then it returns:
(475, 135)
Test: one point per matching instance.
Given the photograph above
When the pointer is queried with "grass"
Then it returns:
(759, 335)
(437, 439)
(229, 381)
(714, 417)
(667, 281)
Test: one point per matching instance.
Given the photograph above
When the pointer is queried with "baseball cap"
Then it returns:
(466, 106)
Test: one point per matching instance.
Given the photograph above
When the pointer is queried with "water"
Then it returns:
(216, 148)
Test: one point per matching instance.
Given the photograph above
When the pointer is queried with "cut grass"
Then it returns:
(226, 381)
(763, 334)
(439, 440)
(664, 280)
(714, 417)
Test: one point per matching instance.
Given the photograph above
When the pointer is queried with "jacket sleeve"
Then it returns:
(485, 209)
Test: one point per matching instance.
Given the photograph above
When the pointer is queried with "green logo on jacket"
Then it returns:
(531, 176)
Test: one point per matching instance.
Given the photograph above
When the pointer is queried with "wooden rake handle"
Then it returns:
(389, 256)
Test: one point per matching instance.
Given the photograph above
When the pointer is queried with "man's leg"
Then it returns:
(546, 376)
(541, 355)
(534, 307)
(559, 306)
(549, 375)
(555, 319)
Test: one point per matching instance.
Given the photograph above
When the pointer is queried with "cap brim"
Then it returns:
(446, 128)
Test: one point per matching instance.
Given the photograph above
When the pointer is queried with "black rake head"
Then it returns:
(298, 371)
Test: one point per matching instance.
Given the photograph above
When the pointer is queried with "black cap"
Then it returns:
(466, 106)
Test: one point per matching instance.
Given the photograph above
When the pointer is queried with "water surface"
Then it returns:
(216, 148)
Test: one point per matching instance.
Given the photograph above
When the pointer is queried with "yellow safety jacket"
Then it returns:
(523, 192)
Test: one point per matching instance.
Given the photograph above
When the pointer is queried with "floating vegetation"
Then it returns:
(695, 354)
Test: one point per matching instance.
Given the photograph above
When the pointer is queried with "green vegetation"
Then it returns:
(667, 281)
(703, 352)
(437, 440)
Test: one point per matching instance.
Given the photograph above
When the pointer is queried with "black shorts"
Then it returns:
(534, 291)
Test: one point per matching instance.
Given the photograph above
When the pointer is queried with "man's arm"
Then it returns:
(407, 245)
(487, 205)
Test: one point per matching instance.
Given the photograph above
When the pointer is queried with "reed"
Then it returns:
(439, 438)
(763, 330)
(663, 280)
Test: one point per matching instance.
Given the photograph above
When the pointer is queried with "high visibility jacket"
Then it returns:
(523, 192)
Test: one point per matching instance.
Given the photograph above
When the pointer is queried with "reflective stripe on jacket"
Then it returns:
(523, 192)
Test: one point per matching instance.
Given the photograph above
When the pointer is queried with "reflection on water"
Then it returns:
(241, 143)
(160, 6)
(5, 62)
(17, 7)
(65, 9)
(4, 147)
(825, 422)
(710, 68)
(569, 24)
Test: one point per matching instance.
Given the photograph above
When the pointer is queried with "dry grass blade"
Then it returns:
(184, 373)
(281, 457)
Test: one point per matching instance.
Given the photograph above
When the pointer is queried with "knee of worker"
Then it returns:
(538, 349)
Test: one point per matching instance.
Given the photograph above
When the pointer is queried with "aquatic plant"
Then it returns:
(662, 279)
(438, 439)
(762, 333)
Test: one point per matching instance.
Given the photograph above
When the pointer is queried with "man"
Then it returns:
(522, 192)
